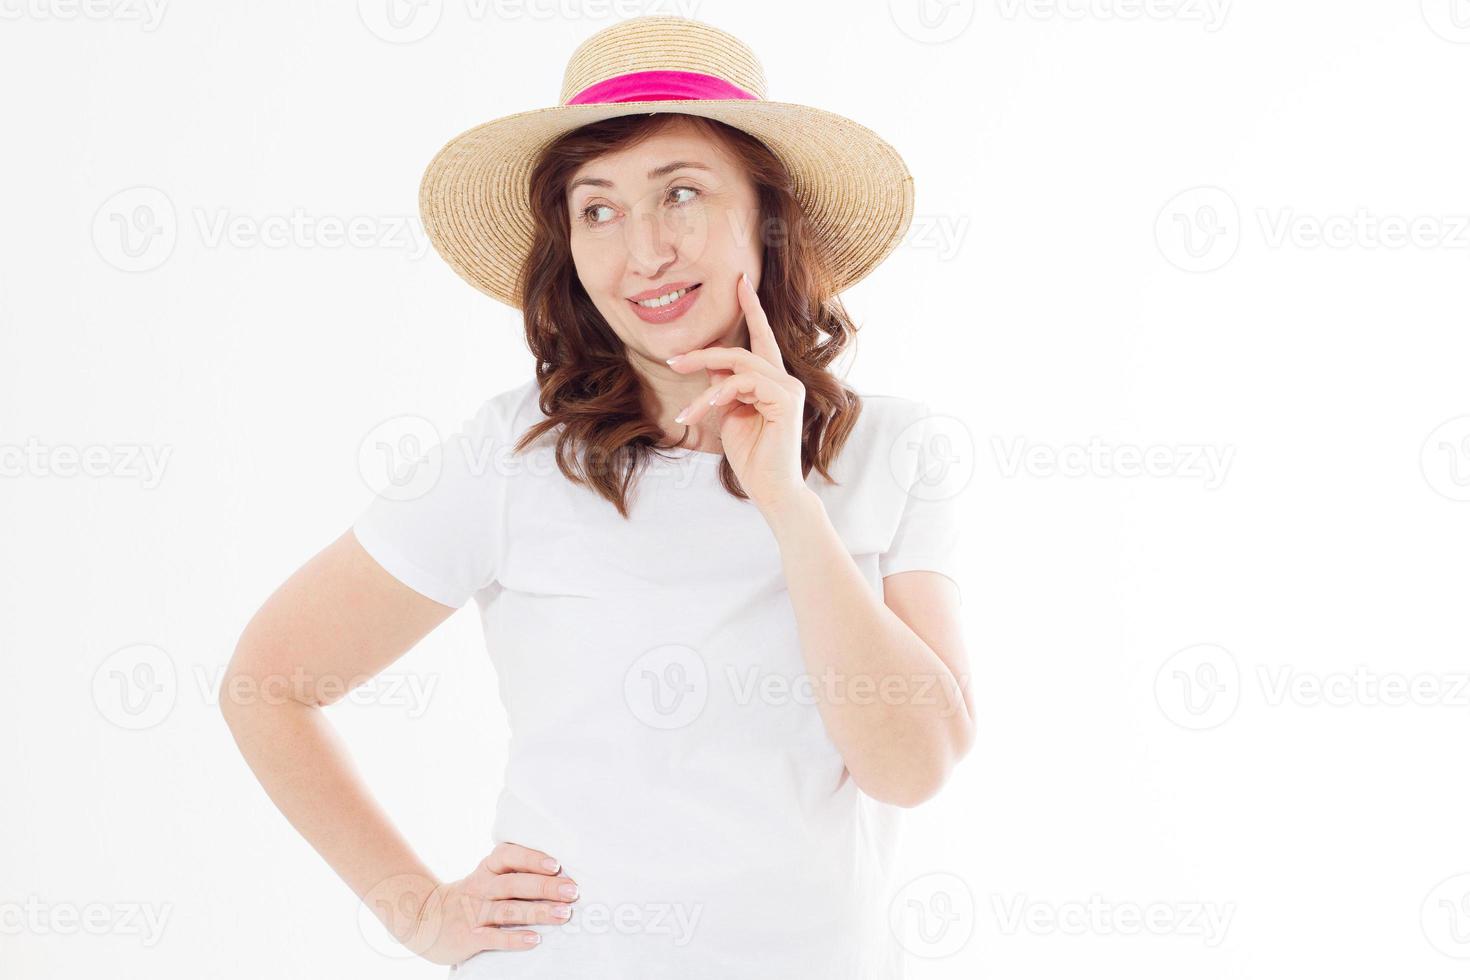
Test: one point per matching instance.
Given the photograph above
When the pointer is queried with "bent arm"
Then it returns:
(890, 671)
(336, 622)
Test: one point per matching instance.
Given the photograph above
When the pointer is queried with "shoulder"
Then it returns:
(890, 407)
(899, 440)
(505, 415)
(885, 418)
(867, 454)
(511, 409)
(481, 443)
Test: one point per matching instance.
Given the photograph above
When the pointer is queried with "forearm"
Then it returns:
(303, 765)
(891, 705)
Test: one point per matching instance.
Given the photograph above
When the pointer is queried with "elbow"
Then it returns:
(251, 683)
(920, 781)
(232, 695)
(908, 792)
(230, 707)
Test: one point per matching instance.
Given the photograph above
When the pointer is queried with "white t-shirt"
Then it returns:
(665, 745)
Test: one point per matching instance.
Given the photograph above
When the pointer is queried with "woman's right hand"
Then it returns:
(513, 885)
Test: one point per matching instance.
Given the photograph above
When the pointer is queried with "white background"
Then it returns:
(1227, 698)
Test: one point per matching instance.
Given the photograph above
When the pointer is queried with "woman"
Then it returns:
(722, 617)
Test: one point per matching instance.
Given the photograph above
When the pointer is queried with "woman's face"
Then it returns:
(671, 212)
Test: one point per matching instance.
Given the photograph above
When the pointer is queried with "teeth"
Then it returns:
(654, 304)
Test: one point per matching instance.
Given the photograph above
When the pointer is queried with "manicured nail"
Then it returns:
(568, 891)
(745, 278)
(680, 417)
(530, 939)
(562, 912)
(673, 359)
(550, 864)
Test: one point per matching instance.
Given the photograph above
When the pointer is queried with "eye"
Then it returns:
(585, 215)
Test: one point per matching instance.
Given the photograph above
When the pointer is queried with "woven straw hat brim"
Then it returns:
(852, 185)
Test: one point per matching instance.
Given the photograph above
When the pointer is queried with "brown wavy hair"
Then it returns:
(589, 389)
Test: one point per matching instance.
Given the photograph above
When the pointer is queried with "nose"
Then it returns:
(652, 244)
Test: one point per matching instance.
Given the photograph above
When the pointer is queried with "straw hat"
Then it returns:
(853, 187)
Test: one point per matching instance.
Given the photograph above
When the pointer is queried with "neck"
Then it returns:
(666, 391)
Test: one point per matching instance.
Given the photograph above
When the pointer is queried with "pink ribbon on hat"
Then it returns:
(659, 86)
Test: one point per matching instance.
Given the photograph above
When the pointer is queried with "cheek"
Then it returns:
(598, 266)
(739, 234)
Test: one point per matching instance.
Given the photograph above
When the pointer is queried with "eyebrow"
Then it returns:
(653, 174)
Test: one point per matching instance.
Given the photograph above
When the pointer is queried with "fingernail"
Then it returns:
(530, 939)
(673, 359)
(745, 278)
(562, 912)
(680, 417)
(550, 865)
(568, 891)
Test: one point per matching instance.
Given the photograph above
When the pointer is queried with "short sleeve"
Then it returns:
(927, 537)
(439, 533)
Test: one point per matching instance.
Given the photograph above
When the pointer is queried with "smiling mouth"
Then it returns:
(668, 299)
